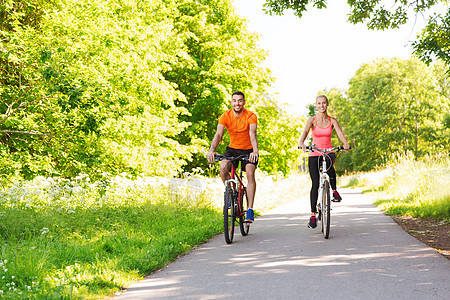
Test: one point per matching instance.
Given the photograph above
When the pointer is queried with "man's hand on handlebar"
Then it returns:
(211, 157)
(253, 157)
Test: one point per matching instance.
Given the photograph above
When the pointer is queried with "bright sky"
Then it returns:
(321, 50)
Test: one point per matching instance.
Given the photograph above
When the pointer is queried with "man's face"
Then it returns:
(237, 102)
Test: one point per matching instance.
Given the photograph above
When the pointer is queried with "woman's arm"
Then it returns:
(308, 126)
(340, 133)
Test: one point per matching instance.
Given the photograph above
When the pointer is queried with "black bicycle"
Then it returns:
(235, 199)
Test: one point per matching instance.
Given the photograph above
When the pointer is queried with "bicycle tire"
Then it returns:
(243, 226)
(326, 203)
(229, 215)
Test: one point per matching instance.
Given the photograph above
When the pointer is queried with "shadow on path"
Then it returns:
(367, 256)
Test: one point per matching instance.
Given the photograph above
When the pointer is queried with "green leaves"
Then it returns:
(277, 7)
(87, 65)
(393, 106)
(278, 135)
(433, 42)
(115, 86)
(218, 56)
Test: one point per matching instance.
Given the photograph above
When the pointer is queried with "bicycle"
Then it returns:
(235, 199)
(324, 205)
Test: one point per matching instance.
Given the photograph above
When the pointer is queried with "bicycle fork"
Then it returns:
(233, 183)
(324, 177)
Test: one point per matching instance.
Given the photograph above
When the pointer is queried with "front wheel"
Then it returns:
(326, 203)
(244, 226)
(229, 215)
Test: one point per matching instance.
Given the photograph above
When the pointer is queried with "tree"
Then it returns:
(278, 134)
(220, 57)
(433, 42)
(82, 88)
(134, 86)
(393, 106)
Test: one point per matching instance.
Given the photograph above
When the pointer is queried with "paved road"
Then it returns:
(368, 256)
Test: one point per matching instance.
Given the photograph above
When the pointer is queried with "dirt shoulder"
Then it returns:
(435, 234)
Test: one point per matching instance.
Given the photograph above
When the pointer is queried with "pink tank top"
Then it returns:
(321, 137)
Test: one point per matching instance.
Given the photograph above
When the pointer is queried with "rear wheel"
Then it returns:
(326, 203)
(245, 227)
(229, 215)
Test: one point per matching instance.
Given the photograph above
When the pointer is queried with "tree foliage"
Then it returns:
(433, 41)
(112, 86)
(221, 57)
(82, 87)
(393, 106)
(278, 134)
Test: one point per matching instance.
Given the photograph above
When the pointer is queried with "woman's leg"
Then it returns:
(313, 166)
(332, 174)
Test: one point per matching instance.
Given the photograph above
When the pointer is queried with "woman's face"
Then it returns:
(321, 104)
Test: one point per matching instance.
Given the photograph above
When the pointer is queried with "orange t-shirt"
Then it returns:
(238, 128)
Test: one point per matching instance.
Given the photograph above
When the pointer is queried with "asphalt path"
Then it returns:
(367, 256)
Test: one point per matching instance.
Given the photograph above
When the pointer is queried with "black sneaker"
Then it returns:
(336, 197)
(312, 222)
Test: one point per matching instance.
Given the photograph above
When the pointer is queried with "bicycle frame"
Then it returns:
(323, 177)
(232, 182)
(235, 200)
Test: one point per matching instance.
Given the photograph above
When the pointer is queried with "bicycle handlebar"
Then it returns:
(313, 148)
(219, 157)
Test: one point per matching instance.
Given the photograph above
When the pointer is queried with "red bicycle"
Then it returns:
(235, 199)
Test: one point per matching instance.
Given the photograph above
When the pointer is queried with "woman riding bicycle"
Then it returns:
(321, 126)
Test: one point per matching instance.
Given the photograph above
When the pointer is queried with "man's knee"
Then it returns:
(250, 171)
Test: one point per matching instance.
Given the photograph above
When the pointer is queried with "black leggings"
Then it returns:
(314, 162)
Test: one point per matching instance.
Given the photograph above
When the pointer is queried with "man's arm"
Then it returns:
(215, 142)
(254, 140)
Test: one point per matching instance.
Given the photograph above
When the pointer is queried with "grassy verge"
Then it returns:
(409, 188)
(73, 239)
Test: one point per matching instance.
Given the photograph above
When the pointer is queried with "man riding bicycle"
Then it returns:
(241, 125)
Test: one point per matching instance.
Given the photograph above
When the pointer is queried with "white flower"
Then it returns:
(45, 230)
(70, 211)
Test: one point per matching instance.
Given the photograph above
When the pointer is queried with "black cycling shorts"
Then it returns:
(237, 152)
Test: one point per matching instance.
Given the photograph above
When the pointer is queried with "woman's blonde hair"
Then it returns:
(323, 96)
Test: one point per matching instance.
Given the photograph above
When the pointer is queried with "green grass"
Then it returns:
(68, 241)
(73, 239)
(407, 187)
